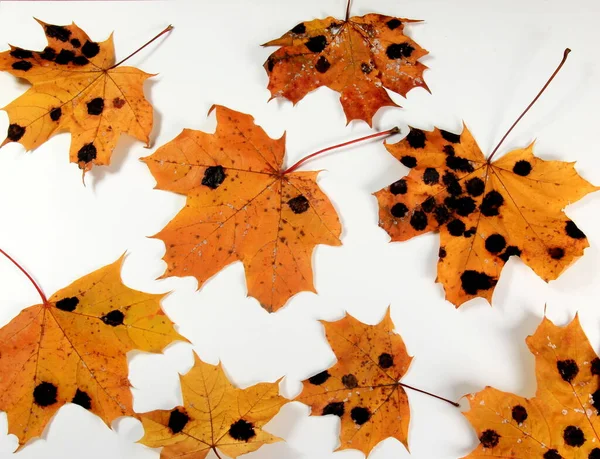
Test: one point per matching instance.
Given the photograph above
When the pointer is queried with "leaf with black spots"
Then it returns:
(358, 57)
(73, 348)
(74, 83)
(242, 206)
(561, 421)
(215, 416)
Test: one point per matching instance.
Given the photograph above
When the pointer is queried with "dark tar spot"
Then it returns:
(87, 153)
(95, 106)
(450, 136)
(319, 378)
(177, 420)
(393, 23)
(552, 454)
(15, 132)
(428, 205)
(44, 394)
(81, 60)
(456, 228)
(335, 408)
(464, 206)
(55, 114)
(594, 454)
(299, 29)
(360, 415)
(452, 184)
(431, 176)
(82, 399)
(113, 318)
(213, 177)
(418, 220)
(489, 438)
(522, 168)
(270, 64)
(316, 44)
(475, 186)
(299, 204)
(366, 68)
(22, 65)
(58, 32)
(349, 381)
(68, 304)
(399, 187)
(386, 360)
(473, 281)
(519, 414)
(491, 203)
(322, 64)
(90, 49)
(441, 214)
(573, 231)
(442, 253)
(48, 54)
(399, 210)
(64, 57)
(470, 232)
(510, 251)
(416, 138)
(399, 50)
(456, 163)
(19, 53)
(596, 400)
(409, 161)
(567, 369)
(595, 366)
(449, 150)
(242, 430)
(556, 253)
(495, 243)
(75, 43)
(573, 436)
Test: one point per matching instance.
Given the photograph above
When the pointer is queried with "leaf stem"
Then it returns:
(562, 62)
(306, 158)
(168, 29)
(348, 10)
(37, 287)
(216, 454)
(430, 394)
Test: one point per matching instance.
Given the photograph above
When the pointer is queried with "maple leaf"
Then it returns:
(77, 87)
(363, 388)
(358, 57)
(485, 211)
(561, 421)
(215, 415)
(242, 206)
(72, 349)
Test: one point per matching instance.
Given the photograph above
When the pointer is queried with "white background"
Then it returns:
(488, 59)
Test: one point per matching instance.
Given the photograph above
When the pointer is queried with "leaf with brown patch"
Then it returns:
(485, 212)
(215, 416)
(72, 349)
(561, 421)
(359, 57)
(77, 87)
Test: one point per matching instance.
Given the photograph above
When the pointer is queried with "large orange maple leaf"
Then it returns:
(358, 57)
(561, 421)
(242, 206)
(76, 87)
(72, 349)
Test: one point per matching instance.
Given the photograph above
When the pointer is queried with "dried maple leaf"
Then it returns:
(77, 87)
(242, 206)
(72, 349)
(485, 212)
(215, 415)
(363, 388)
(358, 57)
(561, 421)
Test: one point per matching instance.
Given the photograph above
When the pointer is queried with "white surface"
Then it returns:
(488, 59)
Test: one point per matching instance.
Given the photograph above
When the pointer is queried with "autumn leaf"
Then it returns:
(363, 388)
(215, 416)
(72, 349)
(359, 57)
(76, 87)
(242, 206)
(485, 212)
(561, 421)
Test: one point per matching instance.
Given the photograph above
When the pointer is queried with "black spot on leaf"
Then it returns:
(452, 184)
(489, 438)
(519, 414)
(48, 54)
(428, 204)
(418, 220)
(573, 231)
(567, 369)
(19, 53)
(113, 318)
(399, 50)
(213, 177)
(82, 399)
(510, 251)
(399, 187)
(442, 253)
(573, 436)
(95, 106)
(75, 43)
(596, 400)
(349, 381)
(67, 304)
(15, 132)
(90, 49)
(441, 214)
(316, 44)
(556, 253)
(475, 186)
(299, 29)
(87, 153)
(552, 454)
(470, 232)
(431, 176)
(464, 206)
(450, 137)
(594, 454)
(22, 65)
(360, 415)
(416, 138)
(81, 60)
(335, 408)
(322, 64)
(299, 204)
(177, 420)
(456, 228)
(64, 57)
(491, 203)
(242, 430)
(473, 281)
(55, 114)
(58, 32)
(409, 161)
(386, 360)
(319, 378)
(522, 168)
(595, 366)
(495, 243)
(457, 163)
(270, 64)
(393, 24)
(44, 394)
(449, 150)
(399, 210)
(366, 68)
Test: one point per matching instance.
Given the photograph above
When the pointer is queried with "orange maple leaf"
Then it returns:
(77, 87)
(485, 211)
(242, 206)
(358, 57)
(561, 421)
(72, 349)
(216, 416)
(363, 388)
